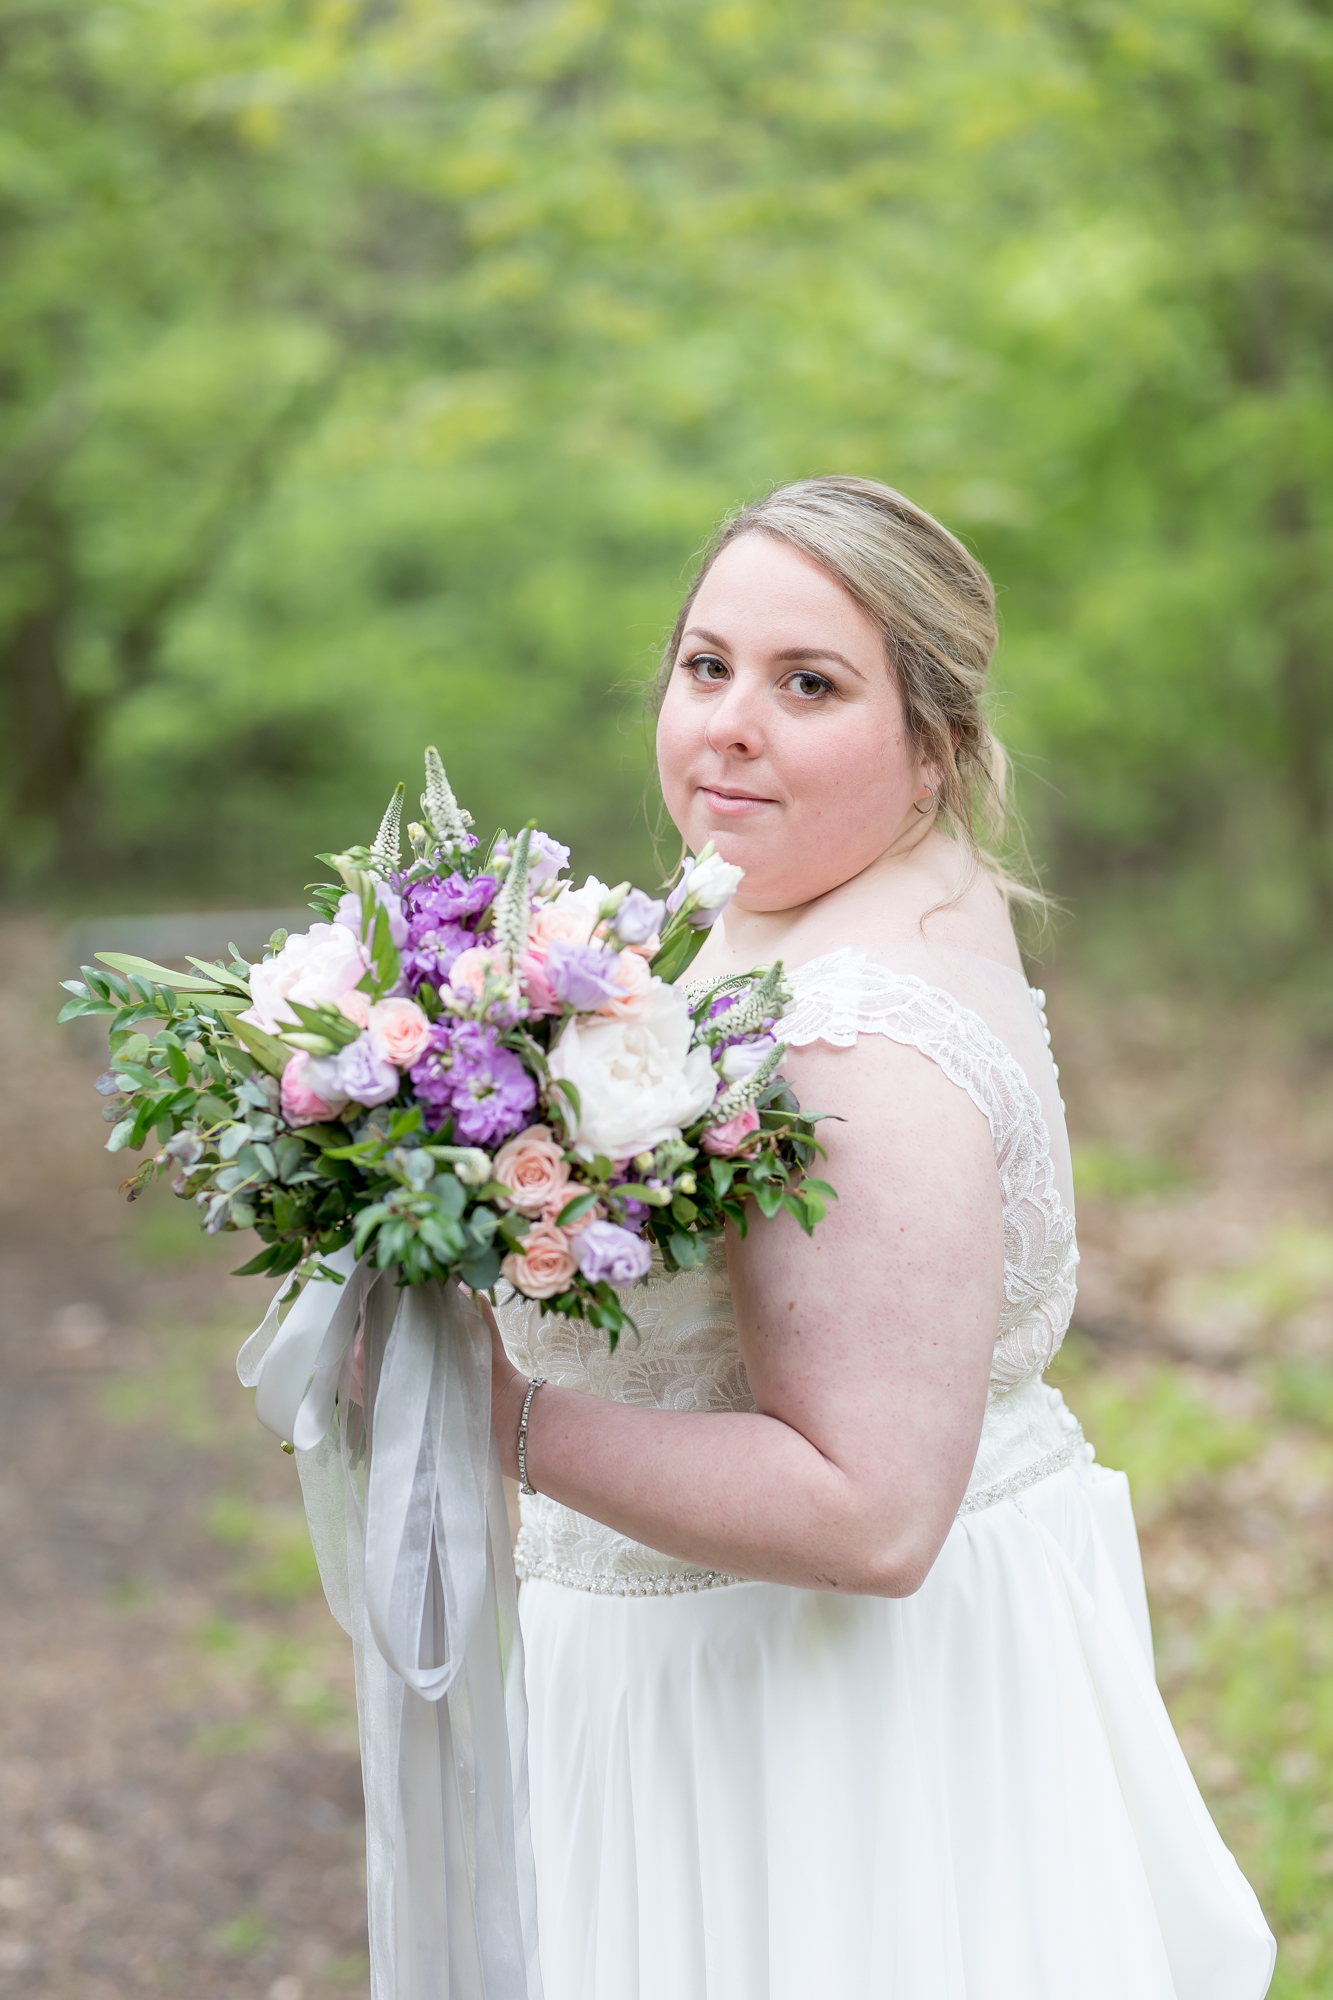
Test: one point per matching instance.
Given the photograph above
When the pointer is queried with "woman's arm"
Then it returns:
(868, 1349)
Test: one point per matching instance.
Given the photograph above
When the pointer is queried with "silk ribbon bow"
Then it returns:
(407, 1515)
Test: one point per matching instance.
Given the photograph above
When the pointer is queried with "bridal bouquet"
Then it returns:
(467, 1067)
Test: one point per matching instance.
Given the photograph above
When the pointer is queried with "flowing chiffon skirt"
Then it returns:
(761, 1793)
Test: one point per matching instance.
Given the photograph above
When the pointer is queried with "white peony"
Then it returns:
(584, 903)
(639, 1081)
(320, 964)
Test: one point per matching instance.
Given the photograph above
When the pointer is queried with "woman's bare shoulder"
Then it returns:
(922, 903)
(978, 921)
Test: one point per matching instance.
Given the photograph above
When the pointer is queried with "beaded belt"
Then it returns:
(535, 1568)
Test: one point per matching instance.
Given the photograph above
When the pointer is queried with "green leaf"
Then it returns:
(267, 1260)
(120, 1135)
(571, 1092)
(450, 1193)
(72, 1009)
(218, 974)
(684, 1209)
(572, 1210)
(135, 968)
(679, 950)
(267, 1050)
(768, 1199)
(444, 1237)
(480, 1269)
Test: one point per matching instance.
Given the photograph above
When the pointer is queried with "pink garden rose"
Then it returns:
(635, 981)
(400, 1030)
(560, 920)
(545, 1264)
(469, 969)
(534, 1170)
(356, 1006)
(301, 1101)
(314, 967)
(731, 1135)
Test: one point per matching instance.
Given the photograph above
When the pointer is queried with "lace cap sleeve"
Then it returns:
(831, 1001)
(844, 995)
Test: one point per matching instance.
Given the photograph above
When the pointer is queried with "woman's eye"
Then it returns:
(809, 685)
(707, 667)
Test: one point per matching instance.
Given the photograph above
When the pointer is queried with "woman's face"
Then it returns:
(781, 735)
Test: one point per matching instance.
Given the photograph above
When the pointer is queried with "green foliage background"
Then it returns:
(369, 374)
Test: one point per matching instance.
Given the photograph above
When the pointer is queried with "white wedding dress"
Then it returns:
(744, 1791)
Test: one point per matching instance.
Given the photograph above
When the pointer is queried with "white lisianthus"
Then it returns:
(713, 882)
(639, 1081)
(314, 966)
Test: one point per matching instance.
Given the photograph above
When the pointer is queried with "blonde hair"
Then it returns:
(935, 605)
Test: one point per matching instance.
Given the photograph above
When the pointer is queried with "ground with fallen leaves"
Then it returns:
(179, 1790)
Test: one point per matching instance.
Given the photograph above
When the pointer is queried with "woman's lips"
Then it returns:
(734, 805)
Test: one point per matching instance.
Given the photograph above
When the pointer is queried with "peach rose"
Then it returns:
(552, 1211)
(545, 1264)
(557, 920)
(635, 981)
(730, 1136)
(400, 1030)
(561, 920)
(534, 1170)
(301, 1101)
(356, 1006)
(469, 969)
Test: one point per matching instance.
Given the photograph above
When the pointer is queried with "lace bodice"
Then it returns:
(688, 1353)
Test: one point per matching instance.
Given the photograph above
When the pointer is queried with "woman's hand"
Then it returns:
(508, 1388)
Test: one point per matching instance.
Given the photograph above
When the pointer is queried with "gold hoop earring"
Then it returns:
(929, 803)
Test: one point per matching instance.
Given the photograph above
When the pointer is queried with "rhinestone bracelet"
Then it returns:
(524, 1486)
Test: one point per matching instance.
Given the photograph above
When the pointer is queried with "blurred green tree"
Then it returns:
(371, 372)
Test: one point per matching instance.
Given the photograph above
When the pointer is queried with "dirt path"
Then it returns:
(179, 1786)
(180, 1801)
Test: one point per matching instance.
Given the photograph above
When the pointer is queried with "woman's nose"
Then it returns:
(735, 725)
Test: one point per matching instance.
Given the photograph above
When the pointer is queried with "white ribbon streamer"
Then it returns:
(408, 1519)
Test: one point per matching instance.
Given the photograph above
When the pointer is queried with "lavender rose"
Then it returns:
(742, 1059)
(364, 1073)
(546, 858)
(638, 918)
(605, 1251)
(582, 975)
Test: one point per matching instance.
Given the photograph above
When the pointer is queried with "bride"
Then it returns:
(838, 1661)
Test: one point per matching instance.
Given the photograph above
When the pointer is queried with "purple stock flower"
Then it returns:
(638, 917)
(605, 1251)
(467, 1075)
(452, 899)
(431, 950)
(582, 975)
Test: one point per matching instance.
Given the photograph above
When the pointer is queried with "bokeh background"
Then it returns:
(370, 373)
